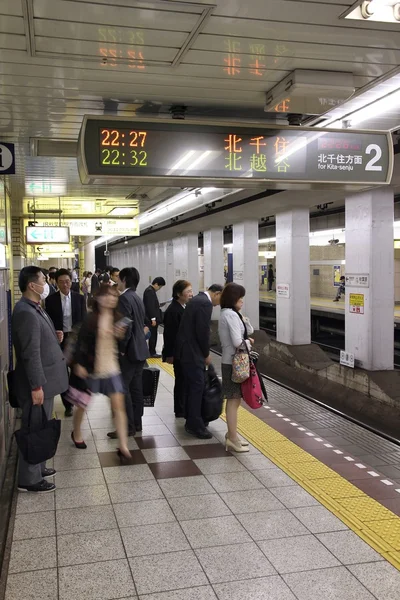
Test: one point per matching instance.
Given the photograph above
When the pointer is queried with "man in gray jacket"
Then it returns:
(41, 370)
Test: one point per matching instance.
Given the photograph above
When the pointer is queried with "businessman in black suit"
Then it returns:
(154, 315)
(66, 309)
(193, 351)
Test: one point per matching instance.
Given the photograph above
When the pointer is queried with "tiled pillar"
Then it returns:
(161, 270)
(293, 318)
(245, 267)
(19, 253)
(370, 276)
(89, 257)
(213, 240)
(186, 260)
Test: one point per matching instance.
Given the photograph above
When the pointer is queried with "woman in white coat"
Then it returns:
(233, 332)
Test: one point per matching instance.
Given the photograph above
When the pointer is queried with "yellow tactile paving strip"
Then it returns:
(374, 523)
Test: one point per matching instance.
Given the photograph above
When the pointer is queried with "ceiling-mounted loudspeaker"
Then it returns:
(310, 92)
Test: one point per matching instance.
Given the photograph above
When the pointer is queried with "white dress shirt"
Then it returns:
(67, 312)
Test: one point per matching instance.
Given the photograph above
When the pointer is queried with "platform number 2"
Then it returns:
(371, 166)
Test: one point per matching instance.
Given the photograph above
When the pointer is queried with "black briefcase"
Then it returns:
(150, 381)
(38, 444)
(212, 397)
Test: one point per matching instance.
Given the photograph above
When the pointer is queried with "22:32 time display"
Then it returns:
(123, 148)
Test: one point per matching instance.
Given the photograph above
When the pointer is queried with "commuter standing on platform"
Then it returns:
(270, 277)
(114, 276)
(182, 292)
(66, 309)
(193, 351)
(154, 314)
(40, 372)
(134, 350)
(95, 283)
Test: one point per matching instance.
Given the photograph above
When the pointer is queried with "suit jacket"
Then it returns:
(172, 320)
(94, 284)
(134, 346)
(54, 309)
(152, 306)
(40, 361)
(193, 340)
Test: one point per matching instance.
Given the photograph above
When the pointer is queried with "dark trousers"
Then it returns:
(194, 385)
(132, 375)
(179, 389)
(67, 405)
(270, 282)
(32, 474)
(153, 340)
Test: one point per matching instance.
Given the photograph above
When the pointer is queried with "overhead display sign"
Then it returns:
(47, 235)
(7, 159)
(95, 227)
(45, 187)
(190, 152)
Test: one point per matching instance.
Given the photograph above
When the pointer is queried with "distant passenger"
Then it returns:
(154, 315)
(270, 277)
(86, 285)
(193, 351)
(40, 372)
(341, 289)
(114, 276)
(52, 281)
(234, 330)
(95, 284)
(182, 292)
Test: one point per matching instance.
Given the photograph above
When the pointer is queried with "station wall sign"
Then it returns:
(356, 303)
(47, 235)
(96, 227)
(357, 280)
(282, 290)
(112, 149)
(7, 158)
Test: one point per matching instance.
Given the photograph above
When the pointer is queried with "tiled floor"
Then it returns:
(188, 521)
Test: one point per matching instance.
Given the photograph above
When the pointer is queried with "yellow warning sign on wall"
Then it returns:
(356, 303)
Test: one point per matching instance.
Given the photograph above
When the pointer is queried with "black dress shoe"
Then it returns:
(68, 412)
(79, 445)
(138, 426)
(155, 356)
(180, 416)
(114, 436)
(202, 434)
(48, 473)
(40, 488)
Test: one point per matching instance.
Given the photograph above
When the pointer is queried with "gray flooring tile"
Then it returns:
(219, 531)
(26, 557)
(94, 495)
(34, 525)
(153, 539)
(294, 496)
(251, 501)
(262, 588)
(155, 430)
(90, 518)
(272, 478)
(96, 581)
(189, 440)
(327, 584)
(90, 546)
(134, 491)
(210, 505)
(209, 466)
(233, 482)
(166, 572)
(185, 486)
(68, 449)
(29, 585)
(256, 462)
(112, 445)
(318, 519)
(380, 578)
(300, 554)
(205, 592)
(272, 524)
(234, 562)
(155, 455)
(143, 513)
(80, 461)
(79, 477)
(348, 547)
(31, 503)
(101, 423)
(128, 473)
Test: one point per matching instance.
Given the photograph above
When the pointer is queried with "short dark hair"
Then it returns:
(130, 276)
(61, 272)
(53, 269)
(215, 287)
(158, 281)
(179, 287)
(231, 294)
(28, 275)
(114, 270)
(98, 270)
(52, 274)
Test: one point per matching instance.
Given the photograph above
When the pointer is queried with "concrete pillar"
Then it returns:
(293, 317)
(90, 260)
(370, 255)
(161, 270)
(186, 259)
(170, 270)
(213, 256)
(152, 269)
(245, 267)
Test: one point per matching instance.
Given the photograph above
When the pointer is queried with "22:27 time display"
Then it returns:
(116, 157)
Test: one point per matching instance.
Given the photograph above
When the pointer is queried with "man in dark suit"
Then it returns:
(154, 316)
(40, 372)
(193, 351)
(66, 309)
(95, 283)
(134, 350)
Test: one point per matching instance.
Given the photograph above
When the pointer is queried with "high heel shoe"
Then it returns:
(237, 447)
(122, 454)
(243, 442)
(79, 445)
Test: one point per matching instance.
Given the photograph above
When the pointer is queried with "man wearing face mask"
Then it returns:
(40, 372)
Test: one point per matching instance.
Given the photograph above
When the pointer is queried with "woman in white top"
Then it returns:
(233, 330)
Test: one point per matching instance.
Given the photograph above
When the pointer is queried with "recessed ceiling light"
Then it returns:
(123, 211)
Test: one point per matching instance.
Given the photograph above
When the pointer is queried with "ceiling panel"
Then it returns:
(11, 7)
(11, 24)
(10, 41)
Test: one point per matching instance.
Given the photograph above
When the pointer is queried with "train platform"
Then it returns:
(311, 512)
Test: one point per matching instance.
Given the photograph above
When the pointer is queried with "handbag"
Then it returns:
(38, 444)
(241, 364)
(212, 403)
(251, 389)
(77, 397)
